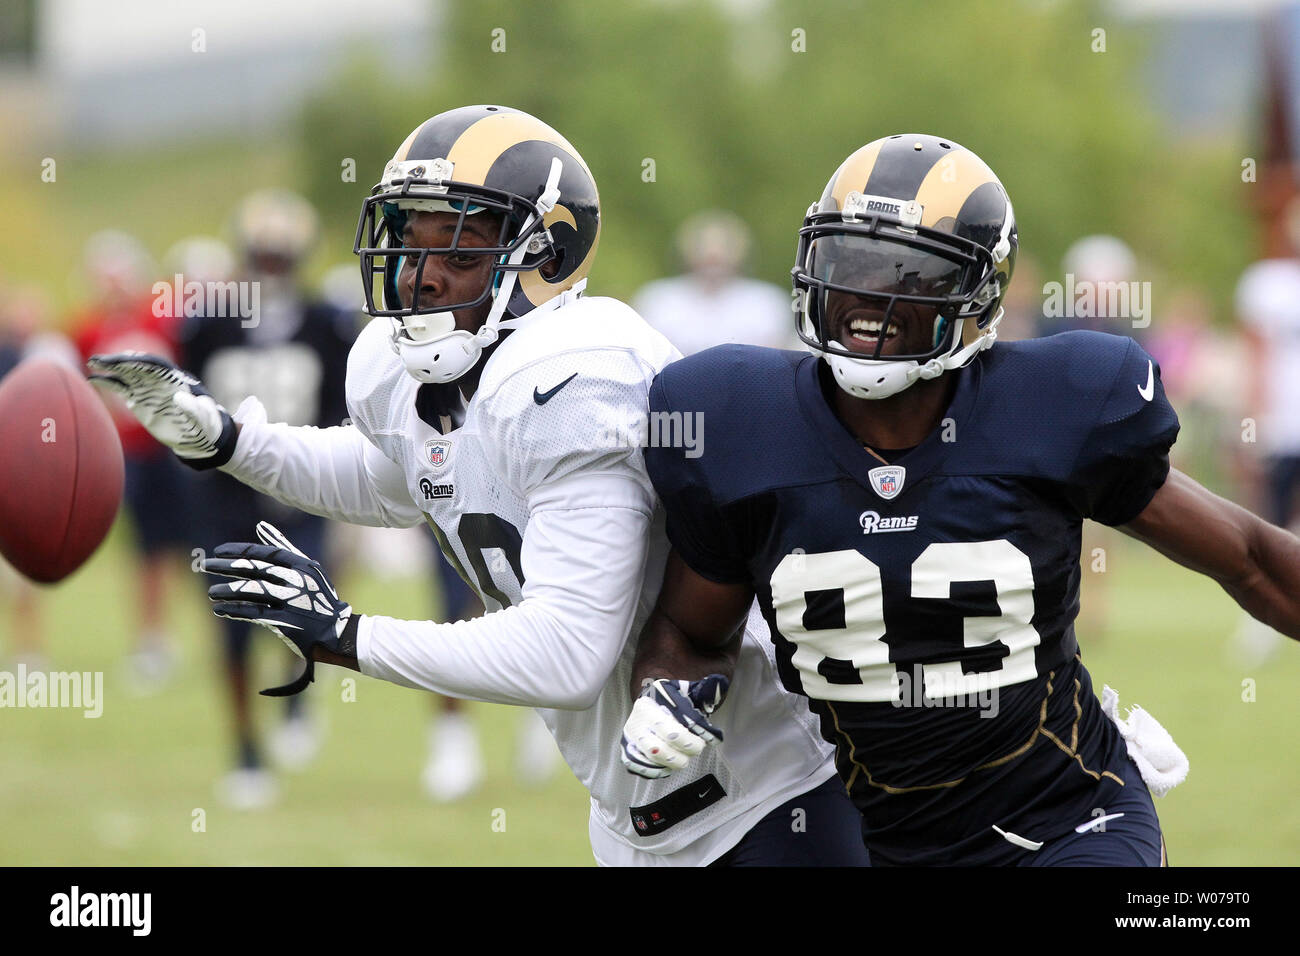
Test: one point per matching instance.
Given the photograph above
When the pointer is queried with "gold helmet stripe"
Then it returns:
(400, 155)
(482, 144)
(949, 183)
(854, 173)
(537, 289)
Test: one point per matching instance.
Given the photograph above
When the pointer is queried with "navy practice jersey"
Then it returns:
(926, 607)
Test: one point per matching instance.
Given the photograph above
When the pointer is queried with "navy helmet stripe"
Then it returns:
(899, 169)
(435, 140)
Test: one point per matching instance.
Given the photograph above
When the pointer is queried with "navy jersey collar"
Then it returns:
(848, 452)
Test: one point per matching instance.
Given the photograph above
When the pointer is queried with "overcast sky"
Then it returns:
(91, 36)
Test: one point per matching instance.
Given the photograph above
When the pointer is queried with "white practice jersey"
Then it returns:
(541, 500)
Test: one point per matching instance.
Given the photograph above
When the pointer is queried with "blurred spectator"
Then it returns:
(267, 339)
(121, 318)
(1268, 309)
(1090, 268)
(712, 304)
(1203, 374)
(1268, 313)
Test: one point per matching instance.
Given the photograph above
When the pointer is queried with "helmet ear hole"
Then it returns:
(553, 267)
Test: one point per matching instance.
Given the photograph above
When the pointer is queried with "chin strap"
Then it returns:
(489, 333)
(983, 341)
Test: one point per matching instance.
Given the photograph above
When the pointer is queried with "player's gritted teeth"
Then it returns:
(859, 326)
(863, 329)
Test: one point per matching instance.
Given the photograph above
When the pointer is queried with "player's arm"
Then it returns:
(683, 667)
(688, 648)
(1256, 562)
(582, 566)
(334, 472)
(695, 629)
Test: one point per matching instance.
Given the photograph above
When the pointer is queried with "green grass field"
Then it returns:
(125, 788)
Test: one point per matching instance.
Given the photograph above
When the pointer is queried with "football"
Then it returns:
(61, 470)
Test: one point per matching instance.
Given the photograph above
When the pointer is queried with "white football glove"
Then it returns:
(171, 403)
(669, 724)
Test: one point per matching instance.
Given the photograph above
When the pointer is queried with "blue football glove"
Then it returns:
(669, 724)
(279, 587)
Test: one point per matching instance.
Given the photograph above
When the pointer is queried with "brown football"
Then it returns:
(60, 470)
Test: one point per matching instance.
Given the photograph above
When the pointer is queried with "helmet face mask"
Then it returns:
(381, 241)
(915, 294)
(903, 287)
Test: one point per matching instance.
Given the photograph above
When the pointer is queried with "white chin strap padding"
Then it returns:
(865, 378)
(441, 360)
(868, 378)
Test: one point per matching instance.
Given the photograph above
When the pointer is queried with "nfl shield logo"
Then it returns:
(437, 451)
(887, 480)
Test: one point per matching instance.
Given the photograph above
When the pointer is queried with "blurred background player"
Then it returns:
(291, 353)
(1268, 315)
(1268, 309)
(1096, 262)
(121, 316)
(712, 303)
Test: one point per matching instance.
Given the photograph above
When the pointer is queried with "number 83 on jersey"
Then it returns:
(831, 607)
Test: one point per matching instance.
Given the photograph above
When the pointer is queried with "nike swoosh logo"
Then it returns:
(1091, 824)
(704, 793)
(541, 398)
(1149, 392)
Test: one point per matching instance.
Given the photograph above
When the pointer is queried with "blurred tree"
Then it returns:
(18, 30)
(751, 107)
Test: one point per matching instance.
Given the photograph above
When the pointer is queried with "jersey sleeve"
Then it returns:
(1124, 457)
(700, 530)
(583, 568)
(333, 472)
(567, 418)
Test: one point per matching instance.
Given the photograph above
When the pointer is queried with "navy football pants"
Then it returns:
(819, 828)
(1133, 839)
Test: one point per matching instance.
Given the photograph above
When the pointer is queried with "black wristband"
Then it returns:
(226, 442)
(348, 639)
